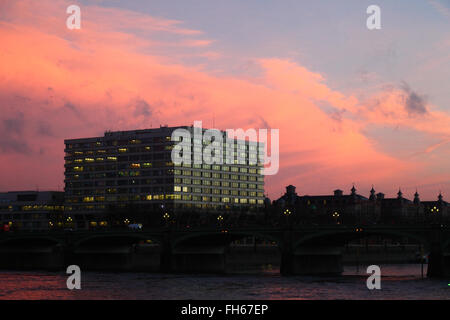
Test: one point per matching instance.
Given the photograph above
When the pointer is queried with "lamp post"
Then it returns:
(166, 217)
(336, 217)
(434, 213)
(69, 221)
(287, 213)
(126, 222)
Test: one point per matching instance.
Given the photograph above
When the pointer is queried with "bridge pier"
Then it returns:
(114, 258)
(196, 260)
(438, 262)
(32, 257)
(312, 260)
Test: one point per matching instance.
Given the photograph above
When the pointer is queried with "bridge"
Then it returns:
(304, 250)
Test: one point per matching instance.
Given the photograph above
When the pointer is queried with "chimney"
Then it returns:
(380, 196)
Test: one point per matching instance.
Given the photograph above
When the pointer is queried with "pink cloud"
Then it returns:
(57, 84)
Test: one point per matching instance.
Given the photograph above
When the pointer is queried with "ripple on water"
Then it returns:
(398, 282)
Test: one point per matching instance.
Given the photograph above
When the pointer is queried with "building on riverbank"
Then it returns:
(31, 210)
(353, 208)
(135, 169)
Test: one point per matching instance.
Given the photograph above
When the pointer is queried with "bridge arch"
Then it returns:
(117, 238)
(31, 239)
(222, 238)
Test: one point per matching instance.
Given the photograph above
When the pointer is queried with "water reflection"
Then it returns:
(398, 282)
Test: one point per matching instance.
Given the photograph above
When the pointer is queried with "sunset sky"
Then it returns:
(352, 105)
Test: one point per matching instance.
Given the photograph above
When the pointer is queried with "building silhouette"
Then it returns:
(356, 208)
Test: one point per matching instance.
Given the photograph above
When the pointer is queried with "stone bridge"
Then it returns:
(315, 250)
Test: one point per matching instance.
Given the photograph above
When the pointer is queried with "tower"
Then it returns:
(372, 194)
(416, 198)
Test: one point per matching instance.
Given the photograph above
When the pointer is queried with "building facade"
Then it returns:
(135, 168)
(32, 210)
(354, 208)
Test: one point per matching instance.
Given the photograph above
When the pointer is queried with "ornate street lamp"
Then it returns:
(336, 216)
(434, 210)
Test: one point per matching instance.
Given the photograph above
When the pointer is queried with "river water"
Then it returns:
(397, 282)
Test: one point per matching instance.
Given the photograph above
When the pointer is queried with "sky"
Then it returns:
(352, 105)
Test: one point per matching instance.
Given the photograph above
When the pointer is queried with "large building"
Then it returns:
(356, 208)
(136, 168)
(32, 210)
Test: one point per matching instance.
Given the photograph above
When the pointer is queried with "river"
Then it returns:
(399, 281)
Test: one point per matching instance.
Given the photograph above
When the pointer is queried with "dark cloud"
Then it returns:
(70, 106)
(11, 135)
(44, 129)
(14, 145)
(265, 124)
(415, 104)
(142, 108)
(14, 125)
(334, 113)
